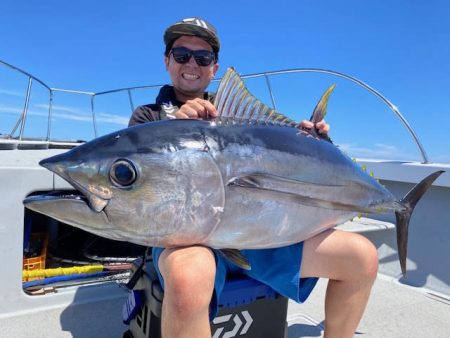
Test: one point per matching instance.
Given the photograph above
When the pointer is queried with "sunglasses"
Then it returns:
(182, 55)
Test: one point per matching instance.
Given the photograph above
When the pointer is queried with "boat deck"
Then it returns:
(394, 310)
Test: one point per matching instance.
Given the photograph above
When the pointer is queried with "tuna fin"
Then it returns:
(236, 257)
(262, 179)
(319, 113)
(295, 188)
(403, 216)
(321, 108)
(235, 104)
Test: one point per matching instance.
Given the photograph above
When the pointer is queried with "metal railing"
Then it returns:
(22, 119)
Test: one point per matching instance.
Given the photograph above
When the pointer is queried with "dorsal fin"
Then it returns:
(321, 108)
(319, 114)
(236, 105)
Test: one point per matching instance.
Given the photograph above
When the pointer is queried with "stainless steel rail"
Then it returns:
(388, 103)
(129, 91)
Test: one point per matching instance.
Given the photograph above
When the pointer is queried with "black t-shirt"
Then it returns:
(166, 104)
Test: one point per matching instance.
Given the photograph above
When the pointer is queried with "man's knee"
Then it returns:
(189, 275)
(365, 255)
(339, 255)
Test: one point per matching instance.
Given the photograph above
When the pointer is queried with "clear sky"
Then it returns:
(399, 47)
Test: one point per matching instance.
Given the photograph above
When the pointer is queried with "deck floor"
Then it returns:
(394, 310)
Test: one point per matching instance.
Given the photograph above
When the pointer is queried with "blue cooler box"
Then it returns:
(247, 308)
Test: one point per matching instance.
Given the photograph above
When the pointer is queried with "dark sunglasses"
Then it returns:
(182, 55)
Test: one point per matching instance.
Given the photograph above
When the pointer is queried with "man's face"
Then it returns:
(189, 79)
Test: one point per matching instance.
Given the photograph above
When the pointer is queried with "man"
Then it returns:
(193, 277)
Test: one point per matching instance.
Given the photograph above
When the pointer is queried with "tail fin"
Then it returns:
(403, 216)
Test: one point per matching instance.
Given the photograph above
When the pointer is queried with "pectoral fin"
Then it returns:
(274, 182)
(236, 257)
(296, 189)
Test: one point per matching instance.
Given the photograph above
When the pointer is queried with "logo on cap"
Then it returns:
(197, 22)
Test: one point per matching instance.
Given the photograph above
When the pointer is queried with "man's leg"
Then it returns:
(350, 262)
(189, 275)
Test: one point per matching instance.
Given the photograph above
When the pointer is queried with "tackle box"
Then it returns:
(39, 242)
(247, 308)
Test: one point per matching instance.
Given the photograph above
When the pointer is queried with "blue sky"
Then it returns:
(399, 47)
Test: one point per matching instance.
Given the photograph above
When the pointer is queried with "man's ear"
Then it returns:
(215, 68)
(166, 62)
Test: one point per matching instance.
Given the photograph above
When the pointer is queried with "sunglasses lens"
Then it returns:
(183, 55)
(203, 57)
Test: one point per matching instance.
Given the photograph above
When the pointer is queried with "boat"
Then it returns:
(416, 305)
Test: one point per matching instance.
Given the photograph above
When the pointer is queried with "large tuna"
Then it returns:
(248, 179)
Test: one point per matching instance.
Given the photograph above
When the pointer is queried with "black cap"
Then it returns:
(194, 27)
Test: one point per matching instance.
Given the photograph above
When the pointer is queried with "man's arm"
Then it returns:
(143, 114)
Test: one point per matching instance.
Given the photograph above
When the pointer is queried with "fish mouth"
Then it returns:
(57, 195)
(70, 207)
(79, 207)
(94, 201)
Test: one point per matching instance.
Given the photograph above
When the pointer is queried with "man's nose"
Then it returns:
(192, 61)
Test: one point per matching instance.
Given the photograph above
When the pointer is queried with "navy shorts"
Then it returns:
(278, 268)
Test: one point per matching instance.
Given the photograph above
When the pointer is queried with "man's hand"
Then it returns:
(321, 126)
(196, 109)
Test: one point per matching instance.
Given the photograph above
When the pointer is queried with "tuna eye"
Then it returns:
(123, 173)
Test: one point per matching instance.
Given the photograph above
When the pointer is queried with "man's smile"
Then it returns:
(189, 76)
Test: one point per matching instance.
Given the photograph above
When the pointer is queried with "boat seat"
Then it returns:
(244, 308)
